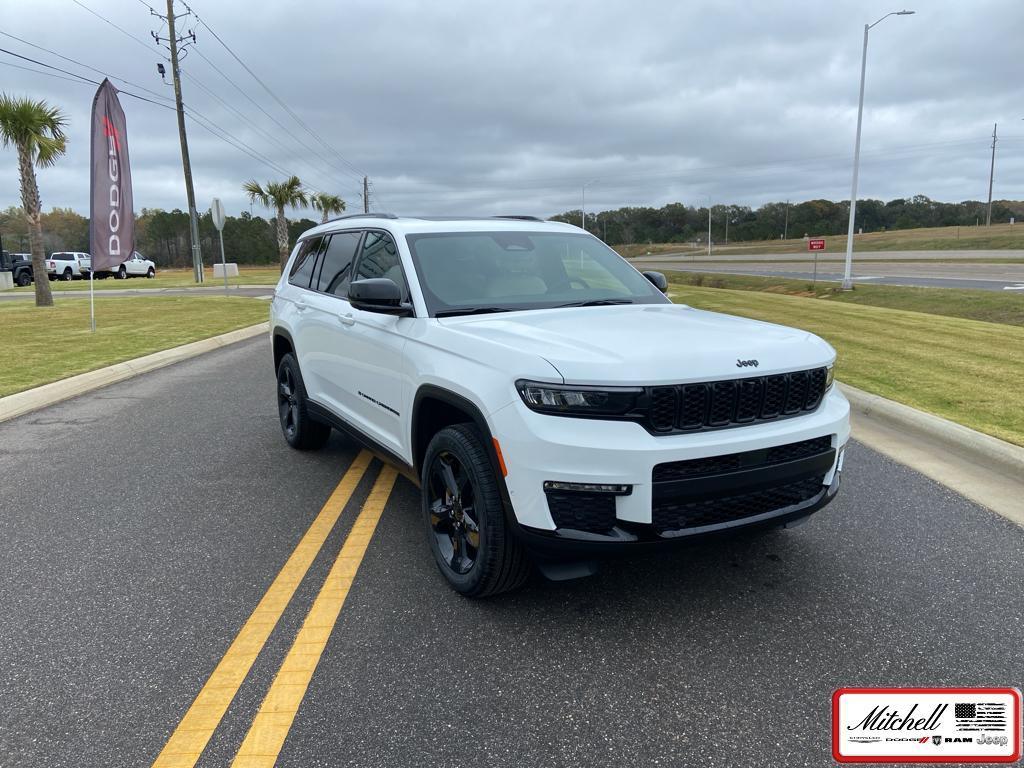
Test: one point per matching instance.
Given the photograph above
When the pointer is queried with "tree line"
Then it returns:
(679, 223)
(159, 235)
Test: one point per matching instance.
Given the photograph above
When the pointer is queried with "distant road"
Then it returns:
(841, 255)
(989, 277)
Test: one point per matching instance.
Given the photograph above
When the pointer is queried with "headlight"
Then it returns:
(830, 377)
(578, 400)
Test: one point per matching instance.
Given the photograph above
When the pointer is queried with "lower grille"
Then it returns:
(730, 462)
(592, 512)
(671, 515)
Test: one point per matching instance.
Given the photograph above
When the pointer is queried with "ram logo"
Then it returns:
(746, 363)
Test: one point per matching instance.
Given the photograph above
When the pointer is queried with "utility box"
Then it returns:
(6, 281)
(231, 267)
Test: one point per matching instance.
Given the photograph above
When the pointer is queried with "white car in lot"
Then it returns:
(549, 400)
(137, 266)
(67, 265)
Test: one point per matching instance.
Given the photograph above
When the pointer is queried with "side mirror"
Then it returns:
(378, 294)
(657, 280)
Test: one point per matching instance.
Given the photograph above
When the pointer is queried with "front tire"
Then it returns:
(24, 279)
(464, 516)
(151, 273)
(300, 430)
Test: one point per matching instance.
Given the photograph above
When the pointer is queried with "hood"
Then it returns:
(647, 343)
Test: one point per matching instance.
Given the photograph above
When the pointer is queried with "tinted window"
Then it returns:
(379, 258)
(519, 270)
(302, 268)
(337, 263)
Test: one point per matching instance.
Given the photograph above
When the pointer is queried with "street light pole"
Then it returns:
(583, 202)
(848, 273)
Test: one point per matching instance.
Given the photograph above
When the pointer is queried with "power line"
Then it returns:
(43, 72)
(273, 95)
(255, 103)
(79, 63)
(82, 77)
(115, 26)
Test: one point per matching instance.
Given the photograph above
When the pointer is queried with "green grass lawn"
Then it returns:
(1005, 307)
(44, 344)
(171, 278)
(968, 371)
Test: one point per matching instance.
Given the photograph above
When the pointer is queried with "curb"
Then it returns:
(985, 450)
(30, 400)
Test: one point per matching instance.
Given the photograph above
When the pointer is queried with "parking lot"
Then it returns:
(144, 523)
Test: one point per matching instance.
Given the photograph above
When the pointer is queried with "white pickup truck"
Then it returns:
(67, 265)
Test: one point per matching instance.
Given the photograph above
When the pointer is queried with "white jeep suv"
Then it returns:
(550, 402)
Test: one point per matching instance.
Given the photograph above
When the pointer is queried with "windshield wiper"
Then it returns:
(470, 311)
(596, 303)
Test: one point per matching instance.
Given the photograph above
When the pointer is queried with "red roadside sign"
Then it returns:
(816, 245)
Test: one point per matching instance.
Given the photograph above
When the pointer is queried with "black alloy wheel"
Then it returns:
(453, 516)
(287, 403)
(300, 430)
(472, 542)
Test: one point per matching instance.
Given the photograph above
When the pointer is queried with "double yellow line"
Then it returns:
(270, 727)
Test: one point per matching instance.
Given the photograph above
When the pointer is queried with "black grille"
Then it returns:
(663, 408)
(731, 462)
(594, 512)
(671, 515)
(718, 404)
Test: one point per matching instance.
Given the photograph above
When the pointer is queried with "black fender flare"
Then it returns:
(468, 407)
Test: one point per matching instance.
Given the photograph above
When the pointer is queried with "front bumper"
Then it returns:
(537, 448)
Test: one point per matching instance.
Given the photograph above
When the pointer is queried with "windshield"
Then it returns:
(460, 272)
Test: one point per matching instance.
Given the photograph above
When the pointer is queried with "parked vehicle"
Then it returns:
(548, 399)
(67, 265)
(137, 266)
(19, 265)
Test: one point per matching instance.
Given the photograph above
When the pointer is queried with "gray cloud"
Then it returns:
(486, 108)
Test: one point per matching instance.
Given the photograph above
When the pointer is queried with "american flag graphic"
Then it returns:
(981, 716)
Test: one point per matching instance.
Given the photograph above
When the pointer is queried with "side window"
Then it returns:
(302, 269)
(336, 269)
(379, 258)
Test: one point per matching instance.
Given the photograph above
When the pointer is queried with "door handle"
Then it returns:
(347, 319)
(301, 307)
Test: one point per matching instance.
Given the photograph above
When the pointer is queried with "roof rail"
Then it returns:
(518, 218)
(362, 216)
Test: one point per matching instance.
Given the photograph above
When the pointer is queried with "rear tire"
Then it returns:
(122, 273)
(300, 430)
(68, 275)
(465, 518)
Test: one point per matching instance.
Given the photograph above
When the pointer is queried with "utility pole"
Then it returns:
(190, 193)
(991, 174)
(727, 225)
(785, 227)
(709, 230)
(366, 195)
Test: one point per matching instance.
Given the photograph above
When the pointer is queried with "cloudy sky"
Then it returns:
(511, 107)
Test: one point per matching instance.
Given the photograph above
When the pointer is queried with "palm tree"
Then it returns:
(278, 195)
(326, 204)
(37, 132)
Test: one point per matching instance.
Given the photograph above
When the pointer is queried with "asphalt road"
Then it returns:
(142, 524)
(989, 277)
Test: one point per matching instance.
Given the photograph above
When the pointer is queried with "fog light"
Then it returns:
(615, 489)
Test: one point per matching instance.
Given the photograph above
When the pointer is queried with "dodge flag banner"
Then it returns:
(112, 221)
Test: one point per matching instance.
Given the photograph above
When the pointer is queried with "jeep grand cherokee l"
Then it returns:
(550, 402)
